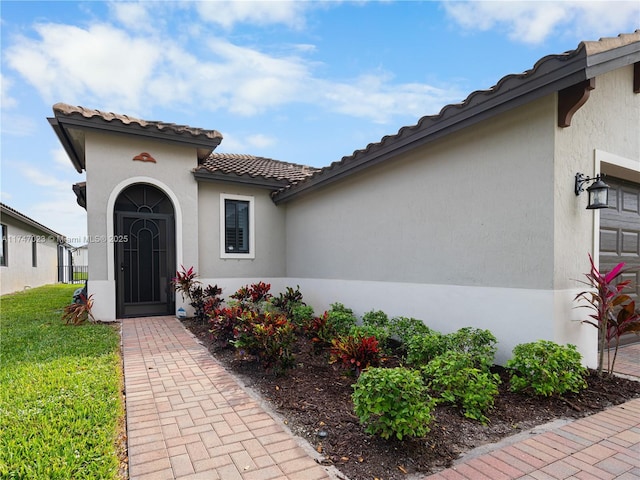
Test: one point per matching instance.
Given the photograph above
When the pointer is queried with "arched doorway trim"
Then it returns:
(117, 190)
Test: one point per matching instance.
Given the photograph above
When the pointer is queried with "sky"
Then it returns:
(307, 82)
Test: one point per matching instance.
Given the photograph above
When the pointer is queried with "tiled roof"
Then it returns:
(550, 74)
(255, 167)
(88, 113)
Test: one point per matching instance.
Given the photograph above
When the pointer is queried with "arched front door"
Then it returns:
(144, 252)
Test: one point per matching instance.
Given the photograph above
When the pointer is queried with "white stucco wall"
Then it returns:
(269, 235)
(110, 169)
(457, 233)
(19, 273)
(604, 136)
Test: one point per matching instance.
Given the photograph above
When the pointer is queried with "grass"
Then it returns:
(60, 402)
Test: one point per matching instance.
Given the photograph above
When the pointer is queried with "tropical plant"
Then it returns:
(79, 313)
(546, 368)
(223, 323)
(269, 336)
(393, 402)
(355, 353)
(614, 311)
(185, 281)
(424, 347)
(289, 300)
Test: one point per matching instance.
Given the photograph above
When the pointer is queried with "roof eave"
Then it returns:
(247, 180)
(6, 210)
(61, 124)
(67, 144)
(549, 75)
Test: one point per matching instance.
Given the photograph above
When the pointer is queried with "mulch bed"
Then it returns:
(316, 396)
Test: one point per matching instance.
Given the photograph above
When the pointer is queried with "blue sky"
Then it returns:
(304, 82)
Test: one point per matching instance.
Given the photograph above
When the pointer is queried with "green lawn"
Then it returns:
(60, 403)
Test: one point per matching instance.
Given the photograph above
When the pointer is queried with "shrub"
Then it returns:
(355, 353)
(269, 336)
(381, 334)
(422, 348)
(403, 328)
(479, 344)
(546, 368)
(223, 323)
(320, 331)
(454, 377)
(79, 313)
(255, 293)
(205, 301)
(341, 319)
(289, 300)
(376, 318)
(301, 315)
(393, 402)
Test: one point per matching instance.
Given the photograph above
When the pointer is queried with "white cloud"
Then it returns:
(6, 101)
(533, 22)
(377, 98)
(134, 16)
(229, 13)
(6, 197)
(69, 63)
(61, 159)
(40, 179)
(111, 69)
(260, 140)
(17, 125)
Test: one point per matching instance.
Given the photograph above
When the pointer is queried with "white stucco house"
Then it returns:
(31, 254)
(468, 218)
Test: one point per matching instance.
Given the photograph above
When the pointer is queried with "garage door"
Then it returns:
(620, 232)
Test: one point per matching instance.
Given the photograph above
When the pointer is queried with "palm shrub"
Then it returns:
(455, 378)
(546, 368)
(614, 313)
(393, 402)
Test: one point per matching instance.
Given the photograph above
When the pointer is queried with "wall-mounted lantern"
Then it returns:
(598, 191)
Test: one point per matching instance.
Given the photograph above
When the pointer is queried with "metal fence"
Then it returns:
(73, 273)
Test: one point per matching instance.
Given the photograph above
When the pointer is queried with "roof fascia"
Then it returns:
(448, 122)
(115, 126)
(604, 62)
(246, 180)
(61, 133)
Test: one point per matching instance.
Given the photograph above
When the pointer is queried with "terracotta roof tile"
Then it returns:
(478, 102)
(238, 164)
(69, 110)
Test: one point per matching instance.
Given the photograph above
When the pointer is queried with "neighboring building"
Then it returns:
(468, 218)
(31, 254)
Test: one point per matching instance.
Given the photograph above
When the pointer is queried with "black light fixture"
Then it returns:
(598, 191)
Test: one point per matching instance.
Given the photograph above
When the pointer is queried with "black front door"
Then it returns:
(145, 253)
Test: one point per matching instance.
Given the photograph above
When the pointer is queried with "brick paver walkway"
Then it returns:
(603, 446)
(187, 418)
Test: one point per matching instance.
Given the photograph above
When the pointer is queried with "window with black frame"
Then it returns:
(236, 226)
(3, 253)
